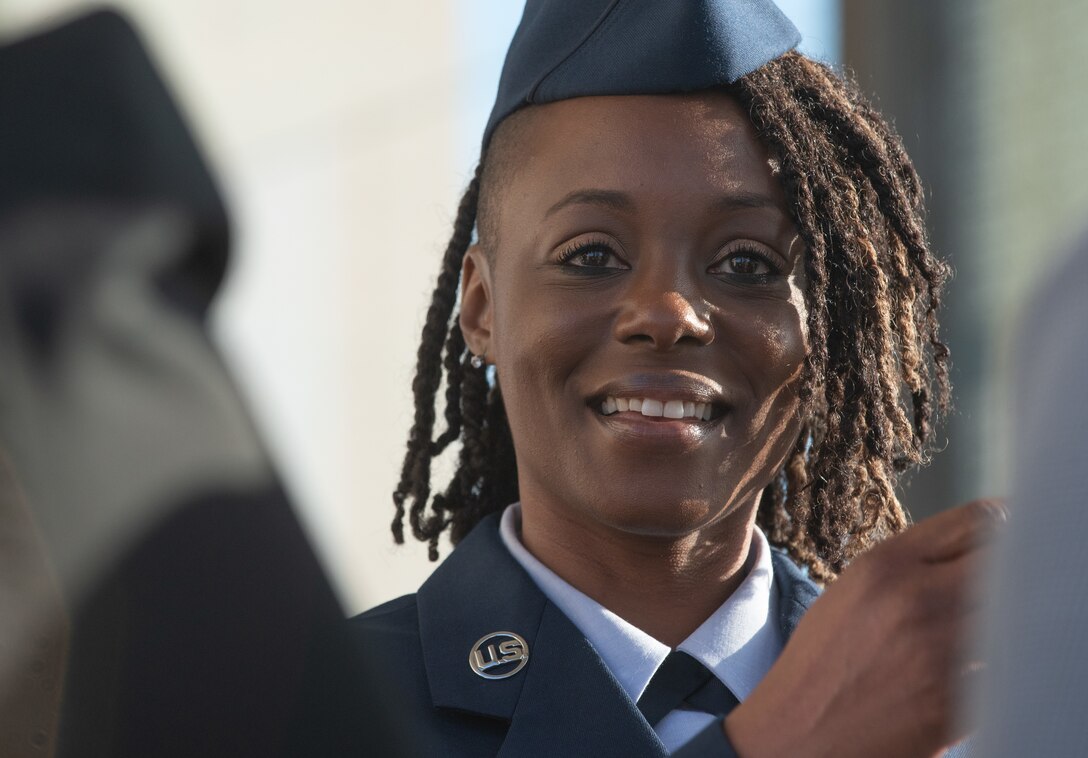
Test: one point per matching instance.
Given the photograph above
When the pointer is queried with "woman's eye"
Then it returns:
(743, 264)
(592, 257)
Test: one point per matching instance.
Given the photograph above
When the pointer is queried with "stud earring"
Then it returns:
(477, 361)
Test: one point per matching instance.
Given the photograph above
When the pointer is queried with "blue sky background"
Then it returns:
(483, 30)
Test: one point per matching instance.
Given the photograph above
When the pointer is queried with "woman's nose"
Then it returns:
(663, 317)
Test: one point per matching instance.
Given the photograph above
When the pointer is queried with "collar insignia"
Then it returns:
(498, 655)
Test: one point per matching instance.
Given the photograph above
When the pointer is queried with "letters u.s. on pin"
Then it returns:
(499, 655)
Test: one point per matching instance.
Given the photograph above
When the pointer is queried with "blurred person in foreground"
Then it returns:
(1031, 697)
(159, 596)
(687, 329)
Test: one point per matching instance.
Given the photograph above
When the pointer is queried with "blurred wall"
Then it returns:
(989, 97)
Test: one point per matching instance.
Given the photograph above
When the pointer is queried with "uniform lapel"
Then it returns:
(479, 589)
(564, 702)
(571, 703)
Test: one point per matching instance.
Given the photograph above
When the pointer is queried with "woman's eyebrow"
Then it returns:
(613, 199)
(621, 201)
(741, 200)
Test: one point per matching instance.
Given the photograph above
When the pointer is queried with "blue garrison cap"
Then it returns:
(575, 48)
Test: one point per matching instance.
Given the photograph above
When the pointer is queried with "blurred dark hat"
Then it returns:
(575, 48)
(88, 118)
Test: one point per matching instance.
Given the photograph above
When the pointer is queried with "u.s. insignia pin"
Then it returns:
(499, 655)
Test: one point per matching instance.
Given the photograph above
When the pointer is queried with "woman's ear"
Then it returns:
(476, 310)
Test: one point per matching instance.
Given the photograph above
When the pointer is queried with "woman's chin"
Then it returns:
(660, 518)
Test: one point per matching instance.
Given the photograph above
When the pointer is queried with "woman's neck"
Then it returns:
(664, 585)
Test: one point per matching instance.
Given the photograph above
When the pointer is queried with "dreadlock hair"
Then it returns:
(873, 381)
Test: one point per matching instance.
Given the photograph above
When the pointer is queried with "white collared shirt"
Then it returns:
(739, 642)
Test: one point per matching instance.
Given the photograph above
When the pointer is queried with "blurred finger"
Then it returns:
(960, 530)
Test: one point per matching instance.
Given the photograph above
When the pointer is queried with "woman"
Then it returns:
(698, 321)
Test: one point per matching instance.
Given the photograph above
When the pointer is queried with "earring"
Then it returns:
(477, 361)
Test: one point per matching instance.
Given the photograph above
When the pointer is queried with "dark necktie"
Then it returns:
(682, 682)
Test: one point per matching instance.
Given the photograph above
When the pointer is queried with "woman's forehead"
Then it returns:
(646, 144)
(691, 115)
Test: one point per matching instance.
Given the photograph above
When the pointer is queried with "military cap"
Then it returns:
(576, 48)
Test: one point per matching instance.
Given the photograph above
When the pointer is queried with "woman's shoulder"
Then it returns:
(388, 612)
(797, 591)
(792, 572)
(391, 622)
(362, 680)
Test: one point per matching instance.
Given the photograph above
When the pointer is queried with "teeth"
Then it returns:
(673, 409)
(652, 407)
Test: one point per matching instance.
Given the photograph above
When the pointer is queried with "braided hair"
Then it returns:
(873, 382)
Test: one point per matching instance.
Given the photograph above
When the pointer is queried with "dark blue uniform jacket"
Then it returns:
(564, 702)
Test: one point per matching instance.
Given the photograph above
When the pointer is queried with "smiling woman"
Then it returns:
(702, 280)
(653, 284)
(810, 202)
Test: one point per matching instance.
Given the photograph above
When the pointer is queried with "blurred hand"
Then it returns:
(872, 668)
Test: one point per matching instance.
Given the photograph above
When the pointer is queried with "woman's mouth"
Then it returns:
(673, 409)
(661, 412)
(658, 425)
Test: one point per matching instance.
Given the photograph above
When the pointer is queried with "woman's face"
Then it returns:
(643, 256)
